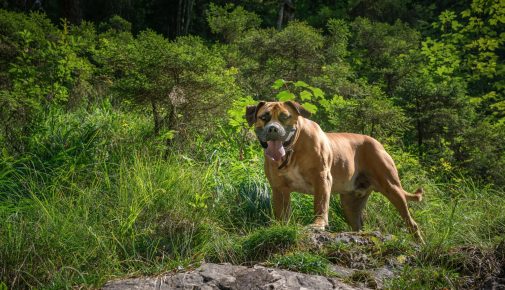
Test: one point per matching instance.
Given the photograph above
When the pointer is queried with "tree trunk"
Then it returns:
(179, 18)
(281, 16)
(156, 117)
(72, 11)
(286, 13)
(419, 128)
(189, 11)
(172, 119)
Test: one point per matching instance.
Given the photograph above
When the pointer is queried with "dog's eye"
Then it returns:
(284, 117)
(265, 117)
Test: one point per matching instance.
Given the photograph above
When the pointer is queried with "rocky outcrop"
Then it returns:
(226, 276)
(362, 260)
(356, 265)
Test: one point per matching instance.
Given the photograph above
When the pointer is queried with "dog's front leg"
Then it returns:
(322, 192)
(281, 203)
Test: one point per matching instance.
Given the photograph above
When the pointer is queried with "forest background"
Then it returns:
(125, 151)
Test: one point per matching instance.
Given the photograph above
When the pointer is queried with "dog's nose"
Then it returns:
(273, 129)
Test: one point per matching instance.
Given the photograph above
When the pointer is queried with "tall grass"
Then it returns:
(82, 210)
(141, 223)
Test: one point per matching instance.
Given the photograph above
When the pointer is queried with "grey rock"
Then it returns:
(226, 276)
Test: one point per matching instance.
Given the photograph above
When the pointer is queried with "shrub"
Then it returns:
(182, 83)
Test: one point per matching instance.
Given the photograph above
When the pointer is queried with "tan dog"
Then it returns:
(300, 157)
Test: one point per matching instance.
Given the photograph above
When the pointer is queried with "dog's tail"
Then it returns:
(417, 196)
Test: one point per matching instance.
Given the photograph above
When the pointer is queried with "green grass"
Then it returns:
(143, 222)
(262, 243)
(427, 277)
(304, 262)
(256, 246)
(95, 200)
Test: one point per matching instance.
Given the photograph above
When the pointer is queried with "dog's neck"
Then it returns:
(291, 144)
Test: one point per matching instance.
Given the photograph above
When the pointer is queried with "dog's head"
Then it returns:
(275, 125)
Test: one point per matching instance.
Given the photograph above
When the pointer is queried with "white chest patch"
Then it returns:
(297, 182)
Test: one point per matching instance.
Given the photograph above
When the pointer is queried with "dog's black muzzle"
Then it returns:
(275, 132)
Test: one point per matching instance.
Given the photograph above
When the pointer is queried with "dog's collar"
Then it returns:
(286, 160)
(292, 138)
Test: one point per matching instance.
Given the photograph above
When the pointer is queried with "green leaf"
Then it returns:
(301, 84)
(278, 84)
(310, 107)
(285, 96)
(168, 135)
(317, 92)
(305, 95)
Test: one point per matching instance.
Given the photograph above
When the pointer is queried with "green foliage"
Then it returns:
(293, 53)
(115, 24)
(369, 113)
(170, 78)
(37, 24)
(440, 113)
(42, 73)
(484, 158)
(337, 40)
(253, 203)
(236, 112)
(382, 51)
(303, 93)
(258, 245)
(230, 21)
(470, 46)
(302, 262)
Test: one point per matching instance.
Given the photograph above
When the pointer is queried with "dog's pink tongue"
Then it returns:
(275, 150)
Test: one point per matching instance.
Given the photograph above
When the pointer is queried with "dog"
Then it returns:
(300, 157)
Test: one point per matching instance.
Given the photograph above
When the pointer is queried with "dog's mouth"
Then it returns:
(276, 146)
(274, 149)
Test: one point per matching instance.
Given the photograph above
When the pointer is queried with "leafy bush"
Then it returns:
(293, 53)
(182, 82)
(43, 69)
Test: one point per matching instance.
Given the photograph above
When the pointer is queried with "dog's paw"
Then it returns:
(318, 225)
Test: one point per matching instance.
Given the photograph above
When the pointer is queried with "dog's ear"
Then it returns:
(251, 111)
(298, 108)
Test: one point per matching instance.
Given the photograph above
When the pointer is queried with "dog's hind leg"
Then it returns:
(387, 182)
(353, 205)
(396, 195)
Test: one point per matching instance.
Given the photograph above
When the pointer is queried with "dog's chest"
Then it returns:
(297, 180)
